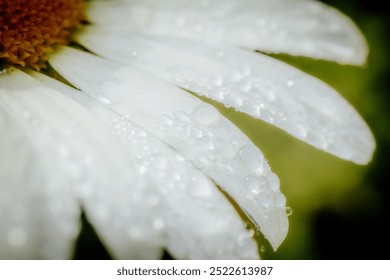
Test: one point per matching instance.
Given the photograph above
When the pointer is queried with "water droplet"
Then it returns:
(274, 182)
(177, 176)
(265, 199)
(255, 184)
(166, 120)
(262, 249)
(290, 83)
(298, 129)
(199, 187)
(182, 117)
(220, 95)
(197, 132)
(226, 165)
(234, 100)
(236, 76)
(143, 169)
(103, 99)
(267, 116)
(252, 157)
(158, 224)
(206, 115)
(251, 109)
(205, 143)
(318, 139)
(247, 86)
(289, 211)
(180, 158)
(280, 200)
(268, 94)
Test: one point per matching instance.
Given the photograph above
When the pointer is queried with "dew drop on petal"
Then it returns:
(280, 200)
(251, 109)
(166, 120)
(205, 115)
(273, 182)
(290, 83)
(251, 183)
(103, 99)
(234, 100)
(247, 86)
(252, 158)
(142, 169)
(197, 132)
(199, 187)
(205, 143)
(267, 116)
(265, 199)
(255, 184)
(181, 117)
(289, 211)
(158, 224)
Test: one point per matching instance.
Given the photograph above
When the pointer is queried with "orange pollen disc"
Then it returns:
(30, 28)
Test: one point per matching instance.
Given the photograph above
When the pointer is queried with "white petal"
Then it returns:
(39, 214)
(300, 27)
(256, 84)
(192, 127)
(198, 220)
(80, 159)
(39, 217)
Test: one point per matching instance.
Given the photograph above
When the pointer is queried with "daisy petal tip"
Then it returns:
(357, 143)
(279, 226)
(355, 43)
(366, 156)
(275, 226)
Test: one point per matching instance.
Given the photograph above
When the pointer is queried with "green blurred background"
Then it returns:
(340, 210)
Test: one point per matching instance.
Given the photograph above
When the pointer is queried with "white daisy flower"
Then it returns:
(117, 134)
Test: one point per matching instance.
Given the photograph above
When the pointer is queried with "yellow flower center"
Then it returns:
(30, 28)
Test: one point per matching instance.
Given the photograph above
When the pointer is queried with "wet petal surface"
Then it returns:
(193, 128)
(301, 27)
(71, 160)
(197, 221)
